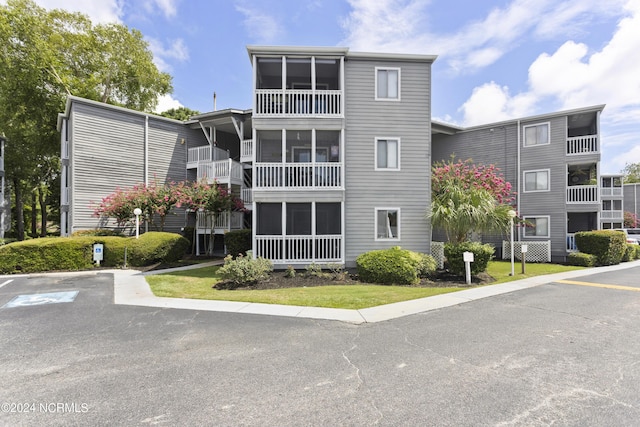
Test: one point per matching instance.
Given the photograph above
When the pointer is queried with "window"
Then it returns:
(536, 181)
(536, 135)
(387, 224)
(388, 84)
(387, 152)
(536, 226)
(612, 205)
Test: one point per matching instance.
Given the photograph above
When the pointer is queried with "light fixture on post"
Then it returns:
(512, 214)
(137, 212)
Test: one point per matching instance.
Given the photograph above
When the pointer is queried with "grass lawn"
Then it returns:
(198, 284)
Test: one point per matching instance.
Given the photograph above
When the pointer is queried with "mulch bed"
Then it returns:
(279, 280)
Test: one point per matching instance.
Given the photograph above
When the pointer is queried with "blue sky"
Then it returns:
(496, 59)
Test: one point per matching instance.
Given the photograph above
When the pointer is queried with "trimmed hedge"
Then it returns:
(607, 245)
(629, 253)
(637, 256)
(482, 254)
(582, 259)
(76, 253)
(394, 266)
(238, 242)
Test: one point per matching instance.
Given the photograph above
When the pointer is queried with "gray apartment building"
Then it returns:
(334, 158)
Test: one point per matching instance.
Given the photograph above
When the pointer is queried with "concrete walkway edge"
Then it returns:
(131, 288)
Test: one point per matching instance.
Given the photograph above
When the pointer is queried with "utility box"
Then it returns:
(98, 252)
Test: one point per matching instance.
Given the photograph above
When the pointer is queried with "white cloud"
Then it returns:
(259, 24)
(100, 11)
(177, 50)
(167, 7)
(399, 26)
(166, 102)
(493, 103)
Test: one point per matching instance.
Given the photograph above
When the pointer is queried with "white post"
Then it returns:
(512, 215)
(137, 212)
(467, 257)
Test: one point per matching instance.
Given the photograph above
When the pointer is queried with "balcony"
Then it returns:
(611, 191)
(222, 222)
(300, 249)
(298, 175)
(223, 171)
(298, 103)
(246, 151)
(582, 194)
(202, 154)
(247, 197)
(587, 144)
(612, 215)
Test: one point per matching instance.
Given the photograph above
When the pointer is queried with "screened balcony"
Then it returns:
(298, 159)
(582, 134)
(582, 184)
(298, 86)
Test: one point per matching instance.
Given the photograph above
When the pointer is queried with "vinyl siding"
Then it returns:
(107, 152)
(407, 189)
(631, 201)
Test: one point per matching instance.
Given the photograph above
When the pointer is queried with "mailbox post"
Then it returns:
(523, 255)
(467, 257)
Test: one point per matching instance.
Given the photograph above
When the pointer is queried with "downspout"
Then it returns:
(518, 179)
(146, 160)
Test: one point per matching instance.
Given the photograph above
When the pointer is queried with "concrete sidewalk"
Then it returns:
(131, 288)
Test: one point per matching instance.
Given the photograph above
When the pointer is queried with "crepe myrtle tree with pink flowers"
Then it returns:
(158, 200)
(468, 197)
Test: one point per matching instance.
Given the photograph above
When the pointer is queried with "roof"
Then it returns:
(76, 99)
(335, 51)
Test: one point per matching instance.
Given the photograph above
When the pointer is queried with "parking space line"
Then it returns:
(6, 283)
(599, 285)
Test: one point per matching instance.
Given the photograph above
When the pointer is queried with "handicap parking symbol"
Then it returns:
(41, 299)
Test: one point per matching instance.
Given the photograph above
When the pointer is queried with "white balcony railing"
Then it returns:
(619, 215)
(202, 154)
(298, 102)
(582, 194)
(571, 242)
(247, 196)
(300, 249)
(611, 191)
(246, 150)
(298, 175)
(221, 222)
(223, 171)
(587, 144)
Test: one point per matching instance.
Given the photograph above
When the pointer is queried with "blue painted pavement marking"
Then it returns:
(40, 299)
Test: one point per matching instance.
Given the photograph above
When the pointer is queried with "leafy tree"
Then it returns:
(631, 220)
(180, 113)
(631, 172)
(467, 197)
(47, 55)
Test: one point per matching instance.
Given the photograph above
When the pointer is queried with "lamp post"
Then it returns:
(512, 214)
(137, 212)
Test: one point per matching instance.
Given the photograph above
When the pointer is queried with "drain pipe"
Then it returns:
(518, 209)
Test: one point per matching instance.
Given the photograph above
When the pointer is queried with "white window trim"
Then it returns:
(375, 153)
(547, 236)
(524, 181)
(375, 87)
(375, 225)
(524, 134)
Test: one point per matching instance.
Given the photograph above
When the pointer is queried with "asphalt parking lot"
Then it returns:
(559, 353)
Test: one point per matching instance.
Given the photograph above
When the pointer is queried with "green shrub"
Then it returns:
(238, 242)
(482, 254)
(76, 253)
(290, 273)
(629, 253)
(582, 259)
(637, 256)
(607, 245)
(389, 266)
(314, 269)
(156, 246)
(188, 233)
(244, 270)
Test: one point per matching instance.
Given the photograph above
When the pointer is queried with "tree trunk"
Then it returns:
(34, 214)
(17, 189)
(42, 198)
